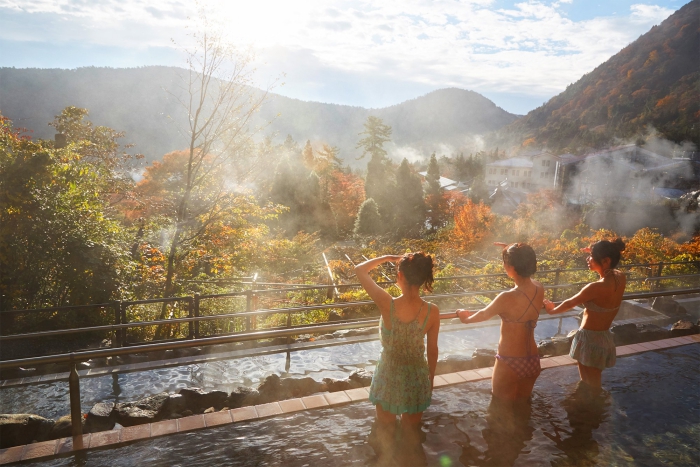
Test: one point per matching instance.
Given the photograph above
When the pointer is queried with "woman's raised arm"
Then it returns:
(380, 296)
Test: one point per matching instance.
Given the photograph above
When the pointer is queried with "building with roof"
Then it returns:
(527, 173)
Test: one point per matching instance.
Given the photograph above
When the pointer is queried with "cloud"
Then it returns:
(528, 48)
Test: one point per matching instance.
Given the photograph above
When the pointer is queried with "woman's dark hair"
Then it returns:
(522, 257)
(606, 249)
(417, 268)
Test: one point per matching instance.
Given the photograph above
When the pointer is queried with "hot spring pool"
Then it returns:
(648, 416)
(51, 400)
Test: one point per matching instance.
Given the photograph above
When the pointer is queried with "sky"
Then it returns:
(362, 53)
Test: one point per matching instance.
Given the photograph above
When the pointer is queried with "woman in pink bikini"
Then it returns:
(517, 362)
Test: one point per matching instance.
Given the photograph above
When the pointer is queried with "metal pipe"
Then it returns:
(233, 294)
(76, 414)
(270, 334)
(247, 314)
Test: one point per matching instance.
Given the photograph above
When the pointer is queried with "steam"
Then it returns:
(633, 187)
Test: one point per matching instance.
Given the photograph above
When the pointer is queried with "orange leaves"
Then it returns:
(663, 102)
(648, 245)
(653, 57)
(346, 192)
(473, 224)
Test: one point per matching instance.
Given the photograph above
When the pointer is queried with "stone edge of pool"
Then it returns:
(113, 438)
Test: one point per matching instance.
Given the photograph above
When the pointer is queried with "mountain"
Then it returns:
(140, 102)
(653, 82)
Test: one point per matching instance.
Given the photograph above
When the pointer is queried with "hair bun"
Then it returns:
(619, 244)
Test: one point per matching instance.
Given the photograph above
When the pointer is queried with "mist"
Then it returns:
(631, 187)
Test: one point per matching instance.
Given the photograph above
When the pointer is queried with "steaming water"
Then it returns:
(649, 417)
(51, 400)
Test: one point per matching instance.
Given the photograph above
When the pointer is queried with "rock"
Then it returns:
(197, 398)
(323, 337)
(271, 389)
(335, 385)
(484, 358)
(298, 387)
(651, 332)
(101, 417)
(177, 415)
(210, 410)
(333, 316)
(176, 403)
(147, 410)
(137, 358)
(242, 396)
(64, 427)
(16, 429)
(667, 306)
(187, 413)
(113, 361)
(361, 377)
(625, 333)
(562, 345)
(453, 364)
(683, 328)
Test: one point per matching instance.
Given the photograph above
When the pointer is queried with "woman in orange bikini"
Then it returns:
(593, 346)
(517, 362)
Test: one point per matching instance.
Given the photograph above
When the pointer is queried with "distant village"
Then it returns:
(625, 173)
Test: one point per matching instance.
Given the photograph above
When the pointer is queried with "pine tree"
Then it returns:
(307, 155)
(409, 207)
(378, 185)
(368, 221)
(377, 134)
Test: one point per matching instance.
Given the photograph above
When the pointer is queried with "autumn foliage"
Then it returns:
(472, 225)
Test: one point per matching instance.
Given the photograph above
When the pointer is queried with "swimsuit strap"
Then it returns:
(530, 324)
(605, 273)
(427, 315)
(537, 289)
(393, 313)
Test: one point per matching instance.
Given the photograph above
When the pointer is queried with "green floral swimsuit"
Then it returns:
(401, 382)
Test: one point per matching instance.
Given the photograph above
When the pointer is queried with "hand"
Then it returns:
(548, 305)
(463, 314)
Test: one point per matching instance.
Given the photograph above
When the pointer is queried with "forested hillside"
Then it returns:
(652, 82)
(142, 102)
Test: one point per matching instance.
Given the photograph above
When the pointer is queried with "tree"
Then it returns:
(377, 134)
(368, 220)
(220, 101)
(308, 155)
(59, 241)
(473, 223)
(378, 184)
(409, 206)
(346, 195)
(228, 238)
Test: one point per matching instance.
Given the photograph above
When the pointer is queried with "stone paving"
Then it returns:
(113, 438)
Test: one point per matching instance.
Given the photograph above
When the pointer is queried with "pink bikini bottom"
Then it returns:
(524, 367)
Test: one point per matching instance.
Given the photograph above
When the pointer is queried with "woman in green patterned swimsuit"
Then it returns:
(403, 380)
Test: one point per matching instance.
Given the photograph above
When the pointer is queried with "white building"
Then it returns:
(527, 173)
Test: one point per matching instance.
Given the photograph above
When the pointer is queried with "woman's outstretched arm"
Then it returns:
(380, 296)
(585, 294)
(491, 310)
